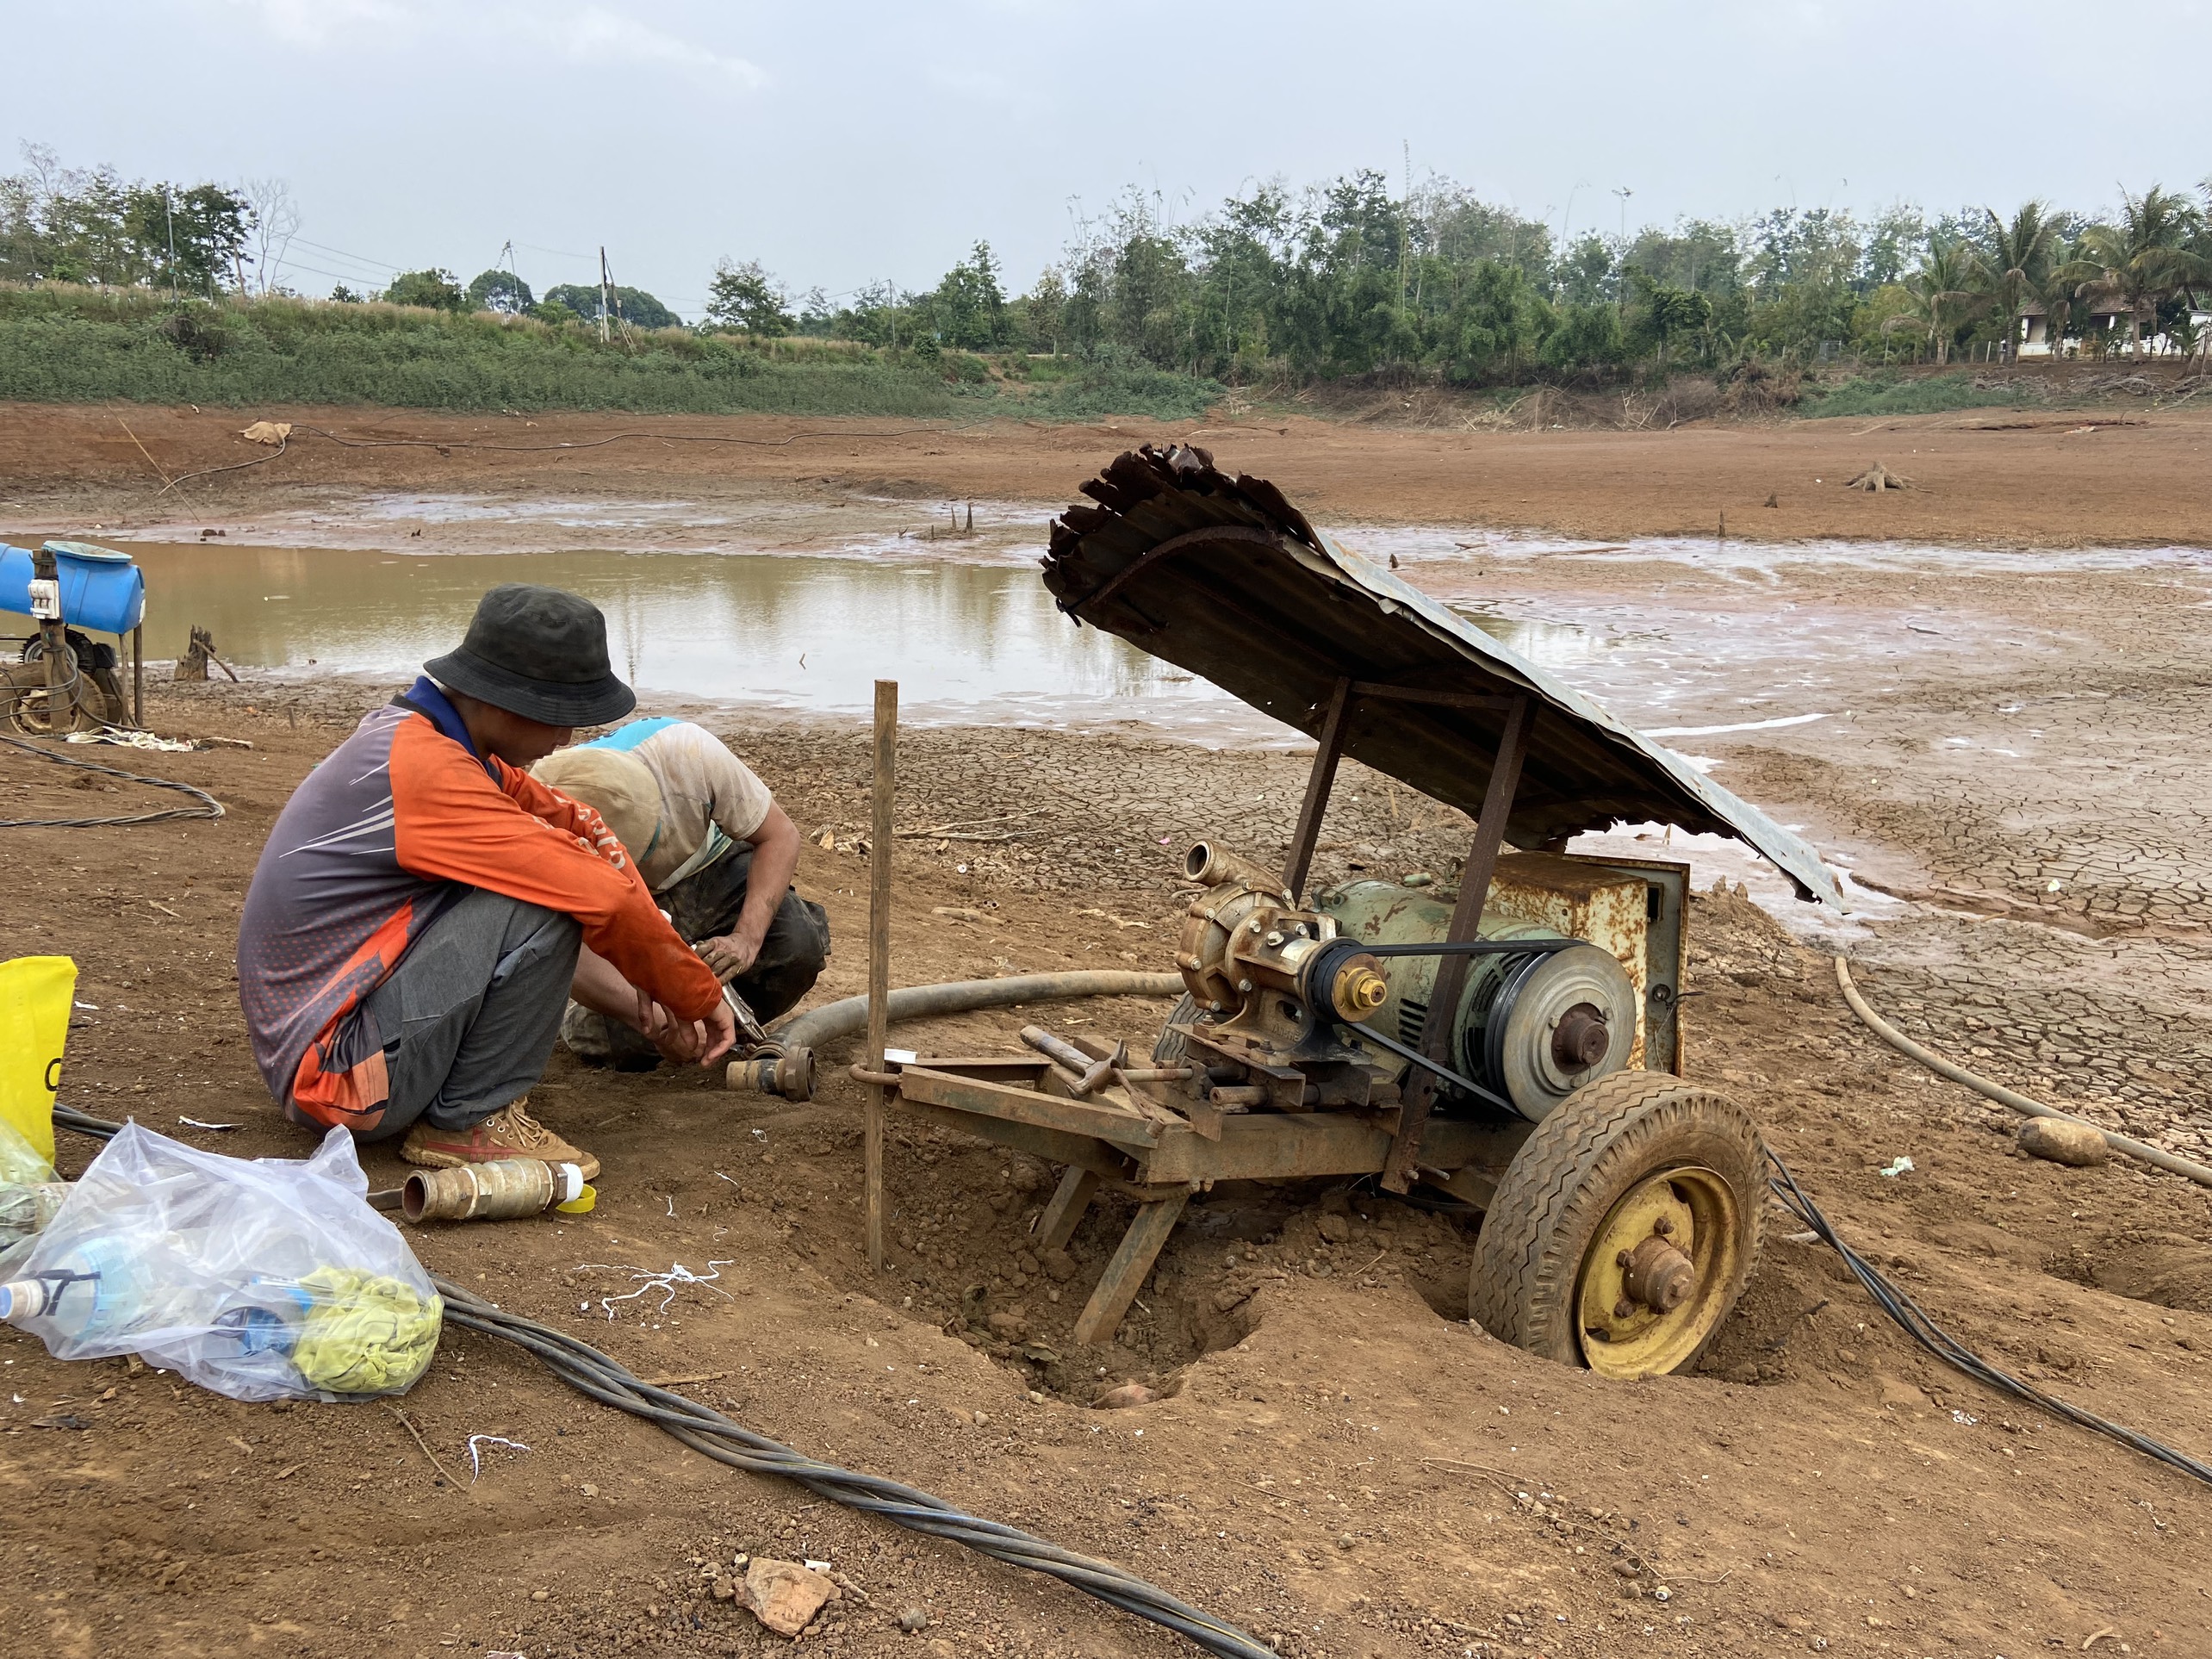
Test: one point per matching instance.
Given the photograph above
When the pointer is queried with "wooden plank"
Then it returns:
(1083, 1150)
(1026, 1106)
(1318, 782)
(1466, 918)
(1072, 1196)
(880, 842)
(1125, 1274)
(991, 1068)
(1258, 1146)
(1472, 1185)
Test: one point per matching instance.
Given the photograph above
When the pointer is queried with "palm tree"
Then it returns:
(2015, 259)
(2135, 263)
(1941, 296)
(2054, 292)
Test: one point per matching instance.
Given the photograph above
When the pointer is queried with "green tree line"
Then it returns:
(1348, 279)
(1339, 280)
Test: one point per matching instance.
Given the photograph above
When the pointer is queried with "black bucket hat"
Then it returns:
(539, 653)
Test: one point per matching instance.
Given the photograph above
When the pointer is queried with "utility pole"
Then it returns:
(606, 296)
(1620, 293)
(1405, 225)
(169, 216)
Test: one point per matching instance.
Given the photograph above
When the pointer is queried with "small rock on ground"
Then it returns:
(2063, 1142)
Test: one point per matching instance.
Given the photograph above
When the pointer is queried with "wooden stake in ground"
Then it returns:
(881, 839)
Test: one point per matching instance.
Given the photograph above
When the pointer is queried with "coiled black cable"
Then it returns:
(708, 1433)
(210, 807)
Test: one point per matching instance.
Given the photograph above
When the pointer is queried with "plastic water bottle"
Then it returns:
(90, 1293)
(269, 1319)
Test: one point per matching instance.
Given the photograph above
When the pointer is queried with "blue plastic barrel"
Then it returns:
(101, 589)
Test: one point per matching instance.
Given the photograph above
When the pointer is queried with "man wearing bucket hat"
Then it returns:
(718, 854)
(413, 929)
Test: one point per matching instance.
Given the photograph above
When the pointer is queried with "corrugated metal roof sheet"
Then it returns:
(1224, 577)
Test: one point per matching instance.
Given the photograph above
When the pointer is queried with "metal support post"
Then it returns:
(1420, 1098)
(1318, 782)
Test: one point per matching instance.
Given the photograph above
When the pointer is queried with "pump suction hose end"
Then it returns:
(490, 1192)
(807, 1033)
(786, 1072)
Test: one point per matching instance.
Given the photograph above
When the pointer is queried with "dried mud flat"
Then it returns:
(1340, 1461)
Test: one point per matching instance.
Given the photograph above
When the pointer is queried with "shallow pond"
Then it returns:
(967, 641)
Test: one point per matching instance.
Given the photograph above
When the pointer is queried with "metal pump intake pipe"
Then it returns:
(786, 1067)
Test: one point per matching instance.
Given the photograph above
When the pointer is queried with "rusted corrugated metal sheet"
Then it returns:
(1224, 577)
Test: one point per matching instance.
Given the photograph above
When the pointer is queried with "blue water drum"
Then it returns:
(101, 589)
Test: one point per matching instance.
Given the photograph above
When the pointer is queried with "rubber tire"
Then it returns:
(1595, 1147)
(1169, 1050)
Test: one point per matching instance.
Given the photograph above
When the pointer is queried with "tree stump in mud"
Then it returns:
(193, 665)
(1878, 477)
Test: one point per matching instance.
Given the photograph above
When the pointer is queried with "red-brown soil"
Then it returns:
(2130, 477)
(1340, 1459)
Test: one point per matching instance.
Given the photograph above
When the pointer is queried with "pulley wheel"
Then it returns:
(1560, 1022)
(1624, 1228)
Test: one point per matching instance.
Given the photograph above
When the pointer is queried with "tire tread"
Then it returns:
(1521, 1286)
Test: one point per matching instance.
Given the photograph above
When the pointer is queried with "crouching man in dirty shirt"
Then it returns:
(718, 854)
(424, 907)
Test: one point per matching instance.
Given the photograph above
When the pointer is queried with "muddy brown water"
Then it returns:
(967, 642)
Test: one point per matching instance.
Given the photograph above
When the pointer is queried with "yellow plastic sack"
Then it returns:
(35, 993)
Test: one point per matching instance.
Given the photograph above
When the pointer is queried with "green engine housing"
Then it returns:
(1531, 1026)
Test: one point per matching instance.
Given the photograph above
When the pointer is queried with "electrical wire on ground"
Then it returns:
(209, 808)
(710, 1433)
(599, 1376)
(2157, 1157)
(236, 466)
(1915, 1322)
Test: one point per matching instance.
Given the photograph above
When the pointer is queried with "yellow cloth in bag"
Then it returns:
(35, 994)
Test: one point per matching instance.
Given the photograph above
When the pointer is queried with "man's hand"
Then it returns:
(732, 953)
(705, 1041)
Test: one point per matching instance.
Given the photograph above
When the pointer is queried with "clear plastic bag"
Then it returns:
(260, 1280)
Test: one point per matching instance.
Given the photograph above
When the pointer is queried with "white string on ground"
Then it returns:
(668, 1283)
(475, 1458)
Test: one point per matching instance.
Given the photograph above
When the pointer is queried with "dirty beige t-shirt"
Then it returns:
(710, 799)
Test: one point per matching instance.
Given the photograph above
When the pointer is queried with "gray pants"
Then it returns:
(472, 1011)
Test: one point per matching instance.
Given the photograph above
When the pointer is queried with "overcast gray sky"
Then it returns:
(841, 142)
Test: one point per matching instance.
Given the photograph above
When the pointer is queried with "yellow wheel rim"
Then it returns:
(1675, 1239)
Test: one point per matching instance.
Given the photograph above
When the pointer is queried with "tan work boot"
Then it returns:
(510, 1131)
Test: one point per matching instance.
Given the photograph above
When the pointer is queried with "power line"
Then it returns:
(358, 258)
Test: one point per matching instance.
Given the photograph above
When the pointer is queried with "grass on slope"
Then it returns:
(69, 345)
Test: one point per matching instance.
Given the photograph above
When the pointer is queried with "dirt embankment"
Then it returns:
(2008, 477)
